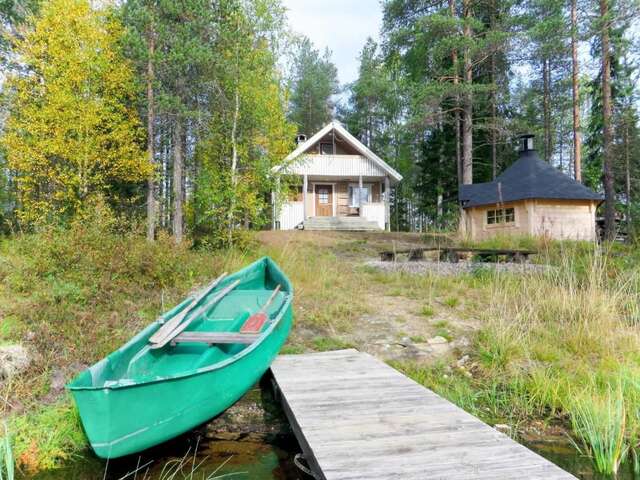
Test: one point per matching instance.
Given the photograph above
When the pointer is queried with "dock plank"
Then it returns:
(357, 418)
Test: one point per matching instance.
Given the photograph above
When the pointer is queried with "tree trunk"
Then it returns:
(467, 109)
(177, 180)
(494, 89)
(546, 106)
(151, 181)
(234, 164)
(627, 175)
(609, 192)
(456, 116)
(577, 135)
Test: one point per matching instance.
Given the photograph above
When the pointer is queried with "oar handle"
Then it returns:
(271, 298)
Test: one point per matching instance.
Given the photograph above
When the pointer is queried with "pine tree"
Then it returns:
(314, 82)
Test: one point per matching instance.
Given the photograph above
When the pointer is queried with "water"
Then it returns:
(564, 454)
(265, 451)
(239, 460)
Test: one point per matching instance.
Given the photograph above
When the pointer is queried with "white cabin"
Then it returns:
(338, 184)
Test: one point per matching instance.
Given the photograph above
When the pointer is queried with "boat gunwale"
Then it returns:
(119, 384)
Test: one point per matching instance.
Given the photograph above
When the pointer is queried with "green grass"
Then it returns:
(452, 302)
(292, 350)
(427, 311)
(7, 465)
(323, 344)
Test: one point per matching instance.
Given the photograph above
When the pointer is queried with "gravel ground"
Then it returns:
(447, 268)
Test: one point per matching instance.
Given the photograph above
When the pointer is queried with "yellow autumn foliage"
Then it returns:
(72, 133)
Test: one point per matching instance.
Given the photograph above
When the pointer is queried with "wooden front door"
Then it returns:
(324, 200)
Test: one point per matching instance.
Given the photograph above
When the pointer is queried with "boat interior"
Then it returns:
(136, 362)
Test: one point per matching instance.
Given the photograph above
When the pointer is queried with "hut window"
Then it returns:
(501, 215)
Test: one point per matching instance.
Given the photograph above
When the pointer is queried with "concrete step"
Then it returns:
(340, 223)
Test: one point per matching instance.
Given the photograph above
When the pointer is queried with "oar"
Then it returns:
(254, 323)
(177, 319)
(196, 313)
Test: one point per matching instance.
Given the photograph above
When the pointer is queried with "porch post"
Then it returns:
(275, 197)
(304, 195)
(387, 199)
(360, 195)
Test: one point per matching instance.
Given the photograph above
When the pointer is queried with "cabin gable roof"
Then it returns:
(349, 139)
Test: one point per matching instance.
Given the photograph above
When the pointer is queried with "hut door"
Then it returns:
(324, 200)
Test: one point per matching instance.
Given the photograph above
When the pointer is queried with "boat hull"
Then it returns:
(128, 419)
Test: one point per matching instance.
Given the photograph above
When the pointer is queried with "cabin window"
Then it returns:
(358, 196)
(501, 215)
(326, 148)
(323, 196)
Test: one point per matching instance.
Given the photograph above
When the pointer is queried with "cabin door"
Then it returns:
(324, 200)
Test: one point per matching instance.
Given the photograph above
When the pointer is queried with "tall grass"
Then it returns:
(566, 329)
(559, 344)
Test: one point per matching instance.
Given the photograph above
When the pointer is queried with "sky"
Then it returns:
(341, 25)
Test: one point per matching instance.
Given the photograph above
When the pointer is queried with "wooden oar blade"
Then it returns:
(195, 314)
(254, 323)
(169, 326)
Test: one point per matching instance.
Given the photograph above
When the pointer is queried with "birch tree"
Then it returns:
(71, 133)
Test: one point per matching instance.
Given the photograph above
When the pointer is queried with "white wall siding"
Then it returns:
(291, 215)
(374, 212)
(335, 165)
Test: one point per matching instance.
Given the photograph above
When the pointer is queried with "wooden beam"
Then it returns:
(305, 184)
(387, 207)
(216, 338)
(360, 195)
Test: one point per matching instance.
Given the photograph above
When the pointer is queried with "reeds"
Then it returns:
(7, 466)
(599, 421)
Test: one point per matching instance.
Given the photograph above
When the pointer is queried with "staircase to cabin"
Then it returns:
(341, 223)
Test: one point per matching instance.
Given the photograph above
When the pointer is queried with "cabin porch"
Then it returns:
(333, 203)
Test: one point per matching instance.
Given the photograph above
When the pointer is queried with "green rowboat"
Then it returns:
(139, 396)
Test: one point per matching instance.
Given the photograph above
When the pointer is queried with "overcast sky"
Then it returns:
(341, 25)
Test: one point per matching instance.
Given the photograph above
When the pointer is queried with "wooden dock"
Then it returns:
(357, 418)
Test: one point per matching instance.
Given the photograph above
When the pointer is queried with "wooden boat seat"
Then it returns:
(213, 338)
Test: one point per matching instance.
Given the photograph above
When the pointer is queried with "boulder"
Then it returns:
(14, 359)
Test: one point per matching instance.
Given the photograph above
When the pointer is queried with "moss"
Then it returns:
(47, 437)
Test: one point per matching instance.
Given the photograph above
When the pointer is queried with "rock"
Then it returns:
(462, 361)
(502, 427)
(58, 380)
(255, 418)
(14, 359)
(437, 340)
(462, 342)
